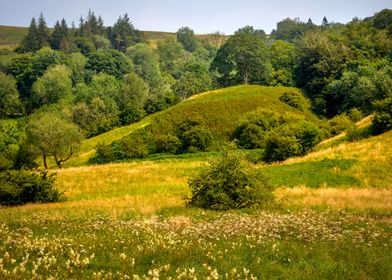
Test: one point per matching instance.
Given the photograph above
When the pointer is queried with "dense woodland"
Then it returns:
(68, 83)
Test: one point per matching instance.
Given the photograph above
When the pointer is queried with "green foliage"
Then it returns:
(53, 135)
(123, 34)
(195, 79)
(296, 100)
(187, 38)
(339, 124)
(111, 62)
(55, 86)
(146, 62)
(196, 139)
(21, 187)
(171, 55)
(59, 39)
(10, 138)
(10, 104)
(320, 60)
(243, 59)
(131, 98)
(251, 31)
(228, 183)
(291, 29)
(382, 119)
(168, 144)
(355, 133)
(290, 140)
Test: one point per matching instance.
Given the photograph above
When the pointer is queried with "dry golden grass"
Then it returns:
(350, 198)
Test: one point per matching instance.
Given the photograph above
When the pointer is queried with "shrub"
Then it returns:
(228, 184)
(21, 187)
(355, 115)
(104, 154)
(339, 124)
(382, 120)
(355, 133)
(196, 139)
(295, 100)
(289, 140)
(168, 143)
(251, 133)
(250, 136)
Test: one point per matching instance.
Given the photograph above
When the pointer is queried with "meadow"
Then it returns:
(128, 221)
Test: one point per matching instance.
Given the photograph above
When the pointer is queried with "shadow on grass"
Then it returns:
(313, 174)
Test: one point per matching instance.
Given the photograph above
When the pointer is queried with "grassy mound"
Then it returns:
(219, 111)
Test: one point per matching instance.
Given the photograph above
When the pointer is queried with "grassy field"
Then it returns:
(128, 221)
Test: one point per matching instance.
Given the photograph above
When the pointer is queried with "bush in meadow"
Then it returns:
(229, 183)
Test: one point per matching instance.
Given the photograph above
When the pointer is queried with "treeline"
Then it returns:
(94, 77)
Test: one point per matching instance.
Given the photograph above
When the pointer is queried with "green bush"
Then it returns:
(355, 133)
(295, 100)
(168, 144)
(196, 139)
(21, 187)
(252, 132)
(339, 124)
(250, 136)
(290, 140)
(228, 184)
(382, 120)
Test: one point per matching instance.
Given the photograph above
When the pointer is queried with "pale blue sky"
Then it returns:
(204, 16)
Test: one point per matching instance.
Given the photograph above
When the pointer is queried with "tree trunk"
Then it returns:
(58, 162)
(45, 163)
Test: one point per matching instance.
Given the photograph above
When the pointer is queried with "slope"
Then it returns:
(219, 111)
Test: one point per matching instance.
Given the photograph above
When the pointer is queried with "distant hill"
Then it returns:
(11, 36)
(220, 111)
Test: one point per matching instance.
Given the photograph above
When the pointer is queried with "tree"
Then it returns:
(251, 31)
(59, 39)
(131, 98)
(20, 68)
(283, 57)
(320, 61)
(382, 120)
(43, 32)
(187, 38)
(170, 53)
(53, 135)
(289, 29)
(10, 104)
(111, 62)
(146, 62)
(123, 34)
(195, 79)
(53, 87)
(30, 41)
(325, 22)
(243, 59)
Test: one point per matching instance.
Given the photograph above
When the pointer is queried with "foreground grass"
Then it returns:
(128, 221)
(202, 245)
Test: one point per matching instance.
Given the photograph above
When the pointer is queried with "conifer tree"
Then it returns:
(30, 41)
(43, 32)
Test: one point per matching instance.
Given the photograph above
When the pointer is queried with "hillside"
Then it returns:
(10, 36)
(219, 111)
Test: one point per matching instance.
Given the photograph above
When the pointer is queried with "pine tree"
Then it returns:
(59, 40)
(30, 41)
(325, 22)
(123, 34)
(43, 32)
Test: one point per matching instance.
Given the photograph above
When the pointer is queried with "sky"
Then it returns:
(203, 16)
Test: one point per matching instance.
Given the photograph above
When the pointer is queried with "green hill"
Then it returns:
(11, 36)
(219, 111)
